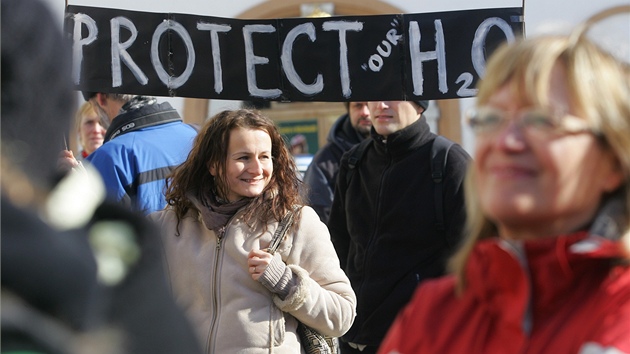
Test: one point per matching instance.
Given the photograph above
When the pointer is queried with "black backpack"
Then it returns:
(439, 154)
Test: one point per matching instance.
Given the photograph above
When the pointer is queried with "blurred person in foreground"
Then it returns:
(225, 203)
(321, 175)
(545, 267)
(50, 293)
(96, 286)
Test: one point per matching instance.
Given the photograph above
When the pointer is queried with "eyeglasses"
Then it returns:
(537, 123)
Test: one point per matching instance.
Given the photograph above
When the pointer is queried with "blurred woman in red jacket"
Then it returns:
(546, 266)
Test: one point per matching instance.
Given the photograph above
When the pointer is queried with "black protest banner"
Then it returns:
(346, 58)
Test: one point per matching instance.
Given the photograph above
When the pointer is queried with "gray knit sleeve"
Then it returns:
(277, 277)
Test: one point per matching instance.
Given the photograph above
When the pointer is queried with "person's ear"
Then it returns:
(101, 99)
(613, 180)
(614, 176)
(212, 169)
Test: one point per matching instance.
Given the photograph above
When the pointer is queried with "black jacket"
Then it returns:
(321, 175)
(53, 276)
(383, 224)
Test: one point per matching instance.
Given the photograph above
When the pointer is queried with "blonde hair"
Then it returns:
(85, 110)
(599, 90)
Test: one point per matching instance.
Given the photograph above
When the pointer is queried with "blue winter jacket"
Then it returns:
(134, 164)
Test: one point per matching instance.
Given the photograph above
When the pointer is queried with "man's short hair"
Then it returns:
(88, 94)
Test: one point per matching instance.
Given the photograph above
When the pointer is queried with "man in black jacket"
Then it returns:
(383, 217)
(321, 175)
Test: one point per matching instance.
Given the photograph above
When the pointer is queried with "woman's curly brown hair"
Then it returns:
(210, 148)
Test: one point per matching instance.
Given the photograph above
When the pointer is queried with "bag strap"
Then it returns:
(439, 154)
(283, 226)
(355, 156)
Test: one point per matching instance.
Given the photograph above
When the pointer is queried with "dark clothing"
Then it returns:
(141, 304)
(383, 224)
(345, 348)
(54, 272)
(53, 275)
(321, 174)
(49, 287)
(135, 165)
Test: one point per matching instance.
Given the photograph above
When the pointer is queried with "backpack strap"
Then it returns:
(356, 153)
(439, 154)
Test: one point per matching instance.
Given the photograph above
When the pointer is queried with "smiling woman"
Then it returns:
(249, 165)
(225, 203)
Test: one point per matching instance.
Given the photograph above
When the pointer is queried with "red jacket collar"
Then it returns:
(547, 268)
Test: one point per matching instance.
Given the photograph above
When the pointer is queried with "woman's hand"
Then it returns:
(66, 161)
(257, 261)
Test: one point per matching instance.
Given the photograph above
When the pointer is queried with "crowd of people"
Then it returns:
(395, 241)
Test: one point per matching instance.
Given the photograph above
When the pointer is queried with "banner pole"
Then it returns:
(524, 31)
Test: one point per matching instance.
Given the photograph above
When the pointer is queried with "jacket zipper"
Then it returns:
(215, 301)
(376, 216)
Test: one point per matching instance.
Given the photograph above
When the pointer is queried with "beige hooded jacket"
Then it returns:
(233, 313)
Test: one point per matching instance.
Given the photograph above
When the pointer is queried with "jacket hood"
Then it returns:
(343, 134)
(141, 112)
